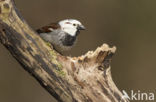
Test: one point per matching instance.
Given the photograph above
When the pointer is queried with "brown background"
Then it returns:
(127, 24)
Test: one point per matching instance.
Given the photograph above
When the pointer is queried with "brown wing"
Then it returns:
(46, 29)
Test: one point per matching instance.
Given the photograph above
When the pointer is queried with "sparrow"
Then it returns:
(62, 35)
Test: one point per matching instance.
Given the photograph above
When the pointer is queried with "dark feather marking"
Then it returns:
(68, 40)
(46, 29)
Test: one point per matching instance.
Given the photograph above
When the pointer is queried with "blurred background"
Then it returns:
(127, 24)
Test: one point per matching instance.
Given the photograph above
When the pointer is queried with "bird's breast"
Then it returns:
(68, 40)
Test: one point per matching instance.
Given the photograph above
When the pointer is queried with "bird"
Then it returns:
(62, 35)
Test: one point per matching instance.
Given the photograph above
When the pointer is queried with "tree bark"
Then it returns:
(69, 79)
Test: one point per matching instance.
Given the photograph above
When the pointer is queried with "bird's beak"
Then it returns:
(81, 27)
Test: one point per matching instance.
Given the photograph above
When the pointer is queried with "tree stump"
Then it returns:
(69, 79)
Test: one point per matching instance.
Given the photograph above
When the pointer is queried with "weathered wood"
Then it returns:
(69, 79)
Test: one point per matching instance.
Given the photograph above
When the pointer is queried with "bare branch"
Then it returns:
(69, 79)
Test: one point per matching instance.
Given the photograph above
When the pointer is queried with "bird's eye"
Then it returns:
(74, 24)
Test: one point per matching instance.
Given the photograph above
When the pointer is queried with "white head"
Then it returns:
(71, 26)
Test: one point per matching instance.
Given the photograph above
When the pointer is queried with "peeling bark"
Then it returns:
(69, 79)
